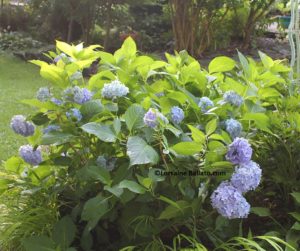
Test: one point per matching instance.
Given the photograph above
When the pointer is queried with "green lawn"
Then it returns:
(18, 80)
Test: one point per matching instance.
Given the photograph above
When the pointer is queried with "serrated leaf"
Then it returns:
(187, 148)
(102, 131)
(134, 117)
(221, 64)
(64, 232)
(211, 126)
(132, 186)
(197, 135)
(56, 138)
(38, 243)
(140, 152)
(261, 211)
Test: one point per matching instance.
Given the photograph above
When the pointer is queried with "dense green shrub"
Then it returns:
(98, 146)
(16, 41)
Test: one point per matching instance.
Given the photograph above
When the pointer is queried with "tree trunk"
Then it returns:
(70, 30)
(108, 25)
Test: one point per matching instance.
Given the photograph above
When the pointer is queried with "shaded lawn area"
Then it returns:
(18, 80)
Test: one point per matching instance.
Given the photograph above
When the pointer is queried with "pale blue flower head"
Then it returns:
(233, 98)
(114, 89)
(74, 114)
(205, 104)
(246, 177)
(29, 155)
(233, 127)
(239, 151)
(177, 114)
(21, 126)
(152, 118)
(229, 202)
(43, 94)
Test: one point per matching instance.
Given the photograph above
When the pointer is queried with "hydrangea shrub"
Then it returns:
(126, 151)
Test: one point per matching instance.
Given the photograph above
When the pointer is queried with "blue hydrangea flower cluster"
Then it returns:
(177, 114)
(227, 199)
(56, 101)
(205, 103)
(229, 202)
(246, 177)
(31, 156)
(74, 114)
(43, 94)
(78, 95)
(82, 95)
(233, 127)
(51, 128)
(233, 98)
(152, 118)
(239, 151)
(114, 89)
(21, 126)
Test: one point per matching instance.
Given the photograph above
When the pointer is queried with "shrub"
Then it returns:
(136, 154)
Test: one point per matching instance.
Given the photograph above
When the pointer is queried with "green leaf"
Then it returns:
(64, 232)
(296, 226)
(187, 148)
(94, 173)
(132, 186)
(296, 197)
(56, 138)
(65, 48)
(266, 60)
(221, 64)
(102, 131)
(55, 75)
(117, 125)
(296, 215)
(13, 164)
(211, 126)
(261, 120)
(134, 117)
(140, 152)
(115, 190)
(95, 208)
(91, 108)
(38, 243)
(261, 211)
(197, 135)
(170, 212)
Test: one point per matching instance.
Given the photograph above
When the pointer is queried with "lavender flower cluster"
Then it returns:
(74, 114)
(114, 89)
(233, 98)
(21, 126)
(43, 94)
(205, 103)
(228, 198)
(233, 127)
(152, 117)
(177, 114)
(30, 155)
(78, 95)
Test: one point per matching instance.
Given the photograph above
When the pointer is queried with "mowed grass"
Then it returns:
(18, 80)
